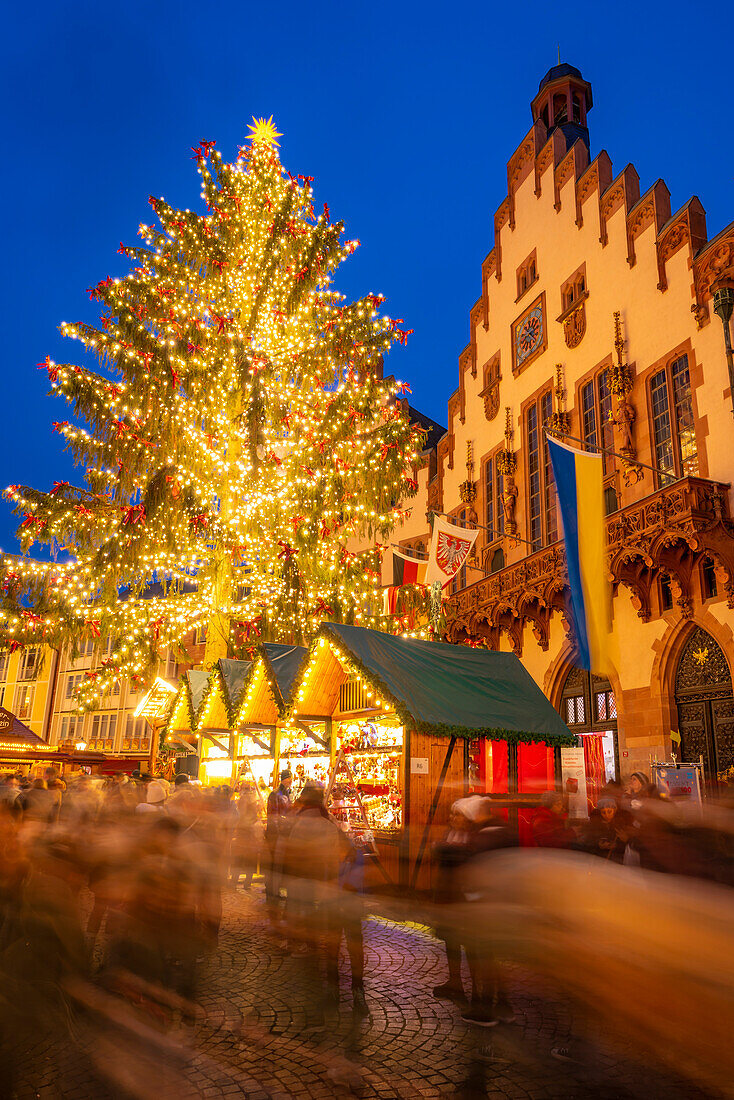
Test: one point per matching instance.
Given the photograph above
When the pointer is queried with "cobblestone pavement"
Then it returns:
(251, 1043)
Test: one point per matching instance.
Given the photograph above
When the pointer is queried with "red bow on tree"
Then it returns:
(199, 521)
(403, 387)
(175, 378)
(385, 448)
(122, 250)
(322, 608)
(82, 511)
(207, 146)
(53, 370)
(221, 264)
(306, 179)
(250, 627)
(94, 625)
(279, 316)
(403, 334)
(134, 513)
(309, 471)
(272, 457)
(120, 427)
(198, 156)
(327, 214)
(412, 484)
(155, 627)
(58, 486)
(287, 552)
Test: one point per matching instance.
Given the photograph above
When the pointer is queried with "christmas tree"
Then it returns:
(239, 441)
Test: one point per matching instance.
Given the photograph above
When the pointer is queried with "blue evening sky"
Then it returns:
(405, 113)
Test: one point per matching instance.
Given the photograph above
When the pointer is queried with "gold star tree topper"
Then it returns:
(263, 131)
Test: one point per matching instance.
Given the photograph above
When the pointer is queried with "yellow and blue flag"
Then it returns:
(579, 481)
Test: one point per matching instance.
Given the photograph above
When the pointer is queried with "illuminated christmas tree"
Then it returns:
(241, 438)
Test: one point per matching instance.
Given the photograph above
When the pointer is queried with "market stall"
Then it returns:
(420, 724)
(180, 741)
(240, 720)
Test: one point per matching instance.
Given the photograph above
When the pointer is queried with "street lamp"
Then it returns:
(724, 307)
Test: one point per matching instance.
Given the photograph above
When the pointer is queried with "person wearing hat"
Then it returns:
(155, 797)
(276, 827)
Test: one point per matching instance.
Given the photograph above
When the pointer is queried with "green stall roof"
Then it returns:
(453, 689)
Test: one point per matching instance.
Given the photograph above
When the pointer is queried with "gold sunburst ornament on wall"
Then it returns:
(263, 131)
(701, 656)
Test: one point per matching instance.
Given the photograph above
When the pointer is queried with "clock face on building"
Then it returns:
(529, 334)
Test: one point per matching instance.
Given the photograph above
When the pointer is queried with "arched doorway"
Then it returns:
(705, 702)
(588, 708)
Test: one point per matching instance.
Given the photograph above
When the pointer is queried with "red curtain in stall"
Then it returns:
(594, 764)
(535, 768)
(535, 773)
(500, 768)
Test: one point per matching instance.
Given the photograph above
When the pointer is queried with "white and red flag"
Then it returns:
(450, 548)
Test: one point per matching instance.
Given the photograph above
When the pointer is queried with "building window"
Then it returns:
(611, 504)
(136, 733)
(103, 731)
(71, 728)
(494, 513)
(708, 579)
(606, 420)
(200, 635)
(527, 274)
(666, 594)
(588, 417)
(23, 701)
(72, 683)
(575, 710)
(542, 504)
(28, 664)
(674, 433)
(549, 492)
(573, 288)
(4, 658)
(498, 560)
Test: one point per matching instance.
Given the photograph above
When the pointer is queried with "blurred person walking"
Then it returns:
(311, 863)
(247, 841)
(550, 829)
(276, 828)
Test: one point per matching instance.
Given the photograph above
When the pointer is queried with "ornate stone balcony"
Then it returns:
(665, 534)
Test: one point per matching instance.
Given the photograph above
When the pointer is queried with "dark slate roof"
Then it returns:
(12, 729)
(453, 689)
(434, 429)
(558, 71)
(234, 678)
(285, 662)
(198, 679)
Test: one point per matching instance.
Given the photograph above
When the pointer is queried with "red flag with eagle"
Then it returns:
(450, 549)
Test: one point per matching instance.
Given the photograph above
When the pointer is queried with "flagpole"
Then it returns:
(595, 449)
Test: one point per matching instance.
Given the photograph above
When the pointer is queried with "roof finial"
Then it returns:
(559, 53)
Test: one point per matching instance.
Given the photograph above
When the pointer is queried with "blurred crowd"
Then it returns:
(111, 901)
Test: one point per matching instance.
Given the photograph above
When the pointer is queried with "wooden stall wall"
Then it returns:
(425, 761)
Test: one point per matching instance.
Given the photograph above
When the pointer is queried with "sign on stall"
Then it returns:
(573, 771)
(419, 765)
(681, 782)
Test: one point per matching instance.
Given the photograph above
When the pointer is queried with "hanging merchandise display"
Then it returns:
(306, 757)
(366, 787)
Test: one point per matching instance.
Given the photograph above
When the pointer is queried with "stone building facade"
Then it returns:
(596, 318)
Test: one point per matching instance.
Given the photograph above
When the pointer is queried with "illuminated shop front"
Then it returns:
(417, 725)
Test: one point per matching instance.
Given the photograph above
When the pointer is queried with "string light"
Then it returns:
(241, 439)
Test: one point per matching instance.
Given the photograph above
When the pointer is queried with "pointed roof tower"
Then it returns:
(562, 103)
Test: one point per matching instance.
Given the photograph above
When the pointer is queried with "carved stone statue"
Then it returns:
(509, 503)
(624, 420)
